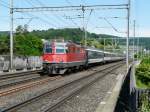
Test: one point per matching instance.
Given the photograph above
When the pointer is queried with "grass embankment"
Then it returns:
(144, 105)
(143, 74)
(143, 81)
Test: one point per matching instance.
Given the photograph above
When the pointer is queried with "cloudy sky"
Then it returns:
(94, 20)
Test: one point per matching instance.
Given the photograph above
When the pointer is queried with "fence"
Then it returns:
(20, 62)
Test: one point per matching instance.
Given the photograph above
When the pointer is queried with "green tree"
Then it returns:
(27, 44)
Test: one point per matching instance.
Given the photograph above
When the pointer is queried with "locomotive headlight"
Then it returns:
(46, 61)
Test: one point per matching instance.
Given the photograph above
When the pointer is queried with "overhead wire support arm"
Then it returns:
(72, 8)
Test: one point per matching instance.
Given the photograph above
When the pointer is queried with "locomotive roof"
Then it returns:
(99, 50)
(63, 43)
(93, 49)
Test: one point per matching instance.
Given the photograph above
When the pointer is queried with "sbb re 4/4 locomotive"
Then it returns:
(59, 57)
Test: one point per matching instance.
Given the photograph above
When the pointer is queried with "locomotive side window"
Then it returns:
(48, 49)
(78, 50)
(72, 49)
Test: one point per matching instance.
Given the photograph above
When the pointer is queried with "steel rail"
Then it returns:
(18, 74)
(26, 86)
(76, 91)
(3, 86)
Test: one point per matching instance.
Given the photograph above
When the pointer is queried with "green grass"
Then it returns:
(143, 74)
(143, 81)
(142, 85)
(144, 105)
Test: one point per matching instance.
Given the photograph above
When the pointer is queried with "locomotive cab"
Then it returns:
(53, 58)
(59, 57)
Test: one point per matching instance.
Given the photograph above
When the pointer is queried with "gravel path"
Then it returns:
(88, 99)
(15, 98)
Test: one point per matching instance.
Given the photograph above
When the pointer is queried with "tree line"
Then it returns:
(30, 43)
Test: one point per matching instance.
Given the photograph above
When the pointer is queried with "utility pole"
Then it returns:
(113, 44)
(104, 44)
(141, 52)
(133, 39)
(128, 34)
(104, 48)
(11, 35)
(84, 30)
(138, 48)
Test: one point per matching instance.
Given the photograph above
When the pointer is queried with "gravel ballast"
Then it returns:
(23, 95)
(88, 99)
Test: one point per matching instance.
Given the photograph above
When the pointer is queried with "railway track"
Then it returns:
(27, 85)
(17, 81)
(8, 80)
(58, 95)
(17, 74)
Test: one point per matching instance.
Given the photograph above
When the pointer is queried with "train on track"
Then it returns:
(59, 57)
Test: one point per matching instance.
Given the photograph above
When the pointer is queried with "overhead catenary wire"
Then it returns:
(72, 8)
(57, 17)
(41, 19)
(89, 17)
(113, 26)
(30, 2)
(69, 2)
(46, 16)
(71, 19)
(4, 4)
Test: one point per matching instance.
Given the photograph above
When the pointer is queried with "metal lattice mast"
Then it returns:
(11, 34)
(133, 39)
(84, 30)
(128, 34)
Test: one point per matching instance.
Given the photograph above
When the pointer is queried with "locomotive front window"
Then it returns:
(58, 50)
(48, 50)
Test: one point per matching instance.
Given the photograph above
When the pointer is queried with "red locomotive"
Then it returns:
(61, 56)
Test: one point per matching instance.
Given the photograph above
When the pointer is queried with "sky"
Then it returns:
(94, 19)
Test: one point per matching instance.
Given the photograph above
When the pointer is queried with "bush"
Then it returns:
(144, 103)
(143, 73)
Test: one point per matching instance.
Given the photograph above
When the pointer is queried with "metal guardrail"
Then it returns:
(20, 63)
